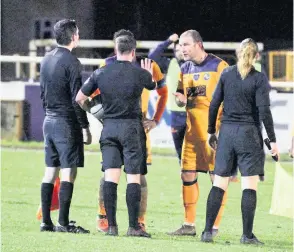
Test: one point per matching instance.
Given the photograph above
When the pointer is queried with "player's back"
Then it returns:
(121, 85)
(58, 69)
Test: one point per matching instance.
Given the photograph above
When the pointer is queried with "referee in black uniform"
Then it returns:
(245, 96)
(123, 140)
(64, 125)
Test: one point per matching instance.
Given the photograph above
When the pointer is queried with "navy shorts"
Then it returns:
(123, 142)
(178, 129)
(239, 146)
(64, 145)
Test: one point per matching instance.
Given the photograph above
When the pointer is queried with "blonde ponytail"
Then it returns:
(246, 57)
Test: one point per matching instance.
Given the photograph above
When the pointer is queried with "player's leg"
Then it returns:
(102, 223)
(178, 128)
(181, 135)
(143, 204)
(101, 220)
(190, 190)
(51, 173)
(143, 183)
(134, 152)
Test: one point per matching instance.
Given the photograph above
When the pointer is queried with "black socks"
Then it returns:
(46, 198)
(214, 202)
(110, 201)
(248, 206)
(133, 199)
(65, 196)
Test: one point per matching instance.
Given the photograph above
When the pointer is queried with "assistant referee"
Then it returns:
(245, 95)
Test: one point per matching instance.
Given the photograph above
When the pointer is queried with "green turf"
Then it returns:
(92, 147)
(95, 148)
(22, 172)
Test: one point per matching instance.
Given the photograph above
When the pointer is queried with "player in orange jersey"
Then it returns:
(198, 79)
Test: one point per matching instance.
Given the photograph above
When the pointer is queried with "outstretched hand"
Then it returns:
(147, 65)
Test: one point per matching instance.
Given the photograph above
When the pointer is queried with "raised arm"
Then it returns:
(161, 91)
(157, 53)
(146, 76)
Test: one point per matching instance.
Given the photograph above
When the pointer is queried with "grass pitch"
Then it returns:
(22, 171)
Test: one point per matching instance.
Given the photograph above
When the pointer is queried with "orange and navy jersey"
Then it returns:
(198, 82)
(161, 88)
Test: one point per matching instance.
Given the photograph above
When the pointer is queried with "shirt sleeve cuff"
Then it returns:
(211, 130)
(272, 139)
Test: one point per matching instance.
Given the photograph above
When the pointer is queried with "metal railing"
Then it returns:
(33, 59)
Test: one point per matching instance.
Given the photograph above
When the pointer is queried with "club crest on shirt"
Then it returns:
(196, 76)
(206, 76)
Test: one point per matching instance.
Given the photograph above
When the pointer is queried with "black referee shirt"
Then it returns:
(60, 81)
(245, 101)
(121, 85)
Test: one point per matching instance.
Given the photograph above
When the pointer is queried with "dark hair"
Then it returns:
(63, 31)
(125, 44)
(122, 32)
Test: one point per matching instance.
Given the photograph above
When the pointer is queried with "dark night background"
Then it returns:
(267, 21)
(226, 20)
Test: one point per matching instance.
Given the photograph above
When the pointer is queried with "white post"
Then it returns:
(17, 67)
(33, 65)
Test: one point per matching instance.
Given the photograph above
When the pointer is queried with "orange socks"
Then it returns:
(101, 207)
(190, 198)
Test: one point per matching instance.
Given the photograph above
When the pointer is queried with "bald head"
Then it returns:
(192, 46)
(195, 35)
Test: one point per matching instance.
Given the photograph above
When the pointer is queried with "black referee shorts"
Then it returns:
(64, 145)
(239, 146)
(123, 142)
